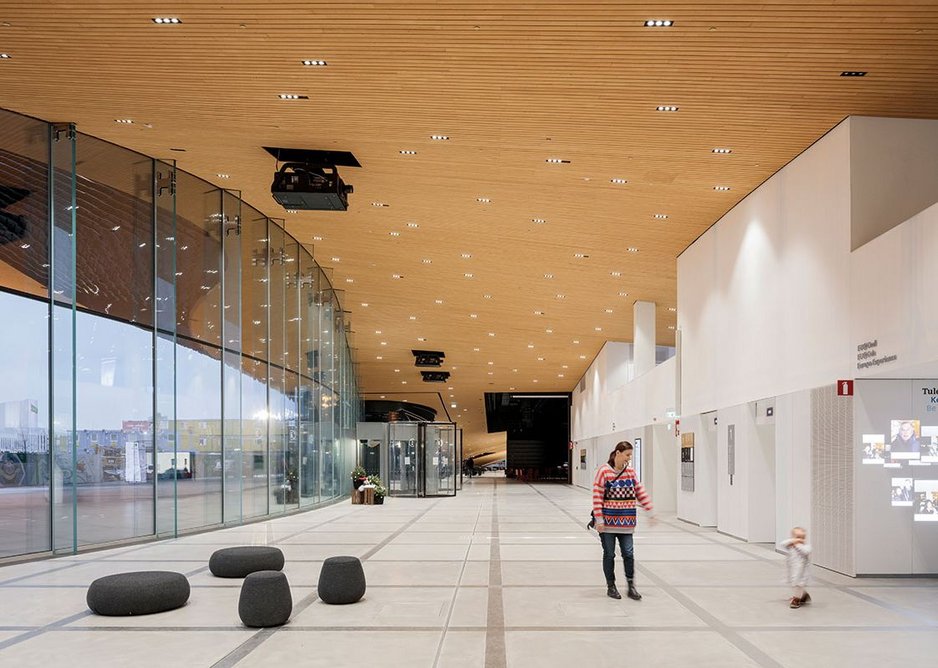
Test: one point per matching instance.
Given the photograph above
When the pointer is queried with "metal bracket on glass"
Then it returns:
(64, 131)
(166, 183)
(232, 225)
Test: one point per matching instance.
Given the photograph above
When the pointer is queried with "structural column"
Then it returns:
(643, 354)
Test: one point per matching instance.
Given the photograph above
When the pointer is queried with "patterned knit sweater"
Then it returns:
(615, 507)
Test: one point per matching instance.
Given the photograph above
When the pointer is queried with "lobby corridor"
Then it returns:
(505, 574)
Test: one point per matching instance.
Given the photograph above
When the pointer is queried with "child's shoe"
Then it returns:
(795, 602)
(806, 598)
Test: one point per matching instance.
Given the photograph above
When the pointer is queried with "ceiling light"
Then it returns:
(548, 276)
(560, 296)
(620, 181)
(580, 256)
(413, 317)
(473, 315)
(491, 363)
(439, 137)
(379, 204)
(5, 56)
(483, 200)
(25, 246)
(615, 274)
(486, 296)
(394, 234)
(534, 381)
(292, 96)
(598, 329)
(403, 382)
(659, 23)
(384, 343)
(491, 373)
(314, 63)
(291, 210)
(559, 375)
(468, 275)
(405, 152)
(539, 313)
(549, 331)
(475, 350)
(511, 388)
(722, 150)
(666, 107)
(170, 20)
(223, 176)
(576, 340)
(530, 345)
(115, 228)
(540, 359)
(365, 304)
(607, 310)
(397, 276)
(349, 280)
(721, 188)
(661, 216)
(379, 357)
(672, 309)
(564, 366)
(397, 370)
(314, 239)
(439, 301)
(623, 294)
(423, 338)
(538, 221)
(336, 259)
(853, 74)
(427, 260)
(557, 161)
(582, 357)
(413, 225)
(632, 249)
(491, 333)
(377, 331)
(671, 327)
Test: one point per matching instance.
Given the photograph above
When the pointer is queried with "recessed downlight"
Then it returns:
(316, 238)
(466, 256)
(615, 274)
(661, 216)
(314, 63)
(407, 152)
(167, 20)
(561, 296)
(397, 277)
(853, 73)
(394, 234)
(336, 259)
(666, 107)
(538, 221)
(618, 181)
(5, 56)
(483, 200)
(672, 309)
(557, 161)
(473, 315)
(632, 249)
(413, 226)
(380, 204)
(124, 121)
(223, 176)
(623, 294)
(659, 23)
(721, 188)
(292, 96)
(548, 276)
(291, 210)
(467, 275)
(439, 137)
(722, 151)
(607, 310)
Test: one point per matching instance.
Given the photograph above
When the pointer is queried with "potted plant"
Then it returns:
(380, 490)
(359, 476)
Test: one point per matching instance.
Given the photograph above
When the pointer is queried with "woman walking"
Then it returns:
(615, 491)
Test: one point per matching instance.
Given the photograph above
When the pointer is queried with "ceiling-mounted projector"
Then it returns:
(309, 180)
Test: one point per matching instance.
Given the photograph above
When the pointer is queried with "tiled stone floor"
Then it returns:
(502, 575)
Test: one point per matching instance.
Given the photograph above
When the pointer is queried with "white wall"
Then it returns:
(792, 463)
(764, 294)
(895, 301)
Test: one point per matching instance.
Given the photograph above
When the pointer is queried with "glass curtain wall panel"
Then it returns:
(255, 281)
(233, 458)
(440, 459)
(308, 394)
(64, 472)
(291, 364)
(164, 196)
(196, 469)
(25, 458)
(114, 324)
(276, 378)
(402, 459)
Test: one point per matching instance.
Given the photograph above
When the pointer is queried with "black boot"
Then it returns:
(633, 592)
(611, 591)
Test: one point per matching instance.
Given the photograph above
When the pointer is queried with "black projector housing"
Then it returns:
(309, 180)
(435, 376)
(305, 188)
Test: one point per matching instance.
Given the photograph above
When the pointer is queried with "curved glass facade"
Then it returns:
(170, 358)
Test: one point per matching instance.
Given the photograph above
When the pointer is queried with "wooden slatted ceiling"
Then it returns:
(512, 84)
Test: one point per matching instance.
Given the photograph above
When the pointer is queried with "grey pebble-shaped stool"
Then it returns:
(138, 593)
(239, 562)
(265, 599)
(341, 581)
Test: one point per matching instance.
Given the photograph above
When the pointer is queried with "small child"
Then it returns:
(798, 565)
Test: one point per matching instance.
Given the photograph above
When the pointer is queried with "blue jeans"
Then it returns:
(626, 547)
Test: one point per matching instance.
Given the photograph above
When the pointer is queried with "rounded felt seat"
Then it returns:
(265, 599)
(238, 562)
(341, 580)
(138, 593)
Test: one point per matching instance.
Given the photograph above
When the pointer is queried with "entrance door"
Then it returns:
(403, 460)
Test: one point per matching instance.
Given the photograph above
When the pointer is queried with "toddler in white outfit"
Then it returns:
(799, 562)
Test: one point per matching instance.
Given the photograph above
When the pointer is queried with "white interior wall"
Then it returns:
(792, 463)
(763, 295)
(665, 455)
